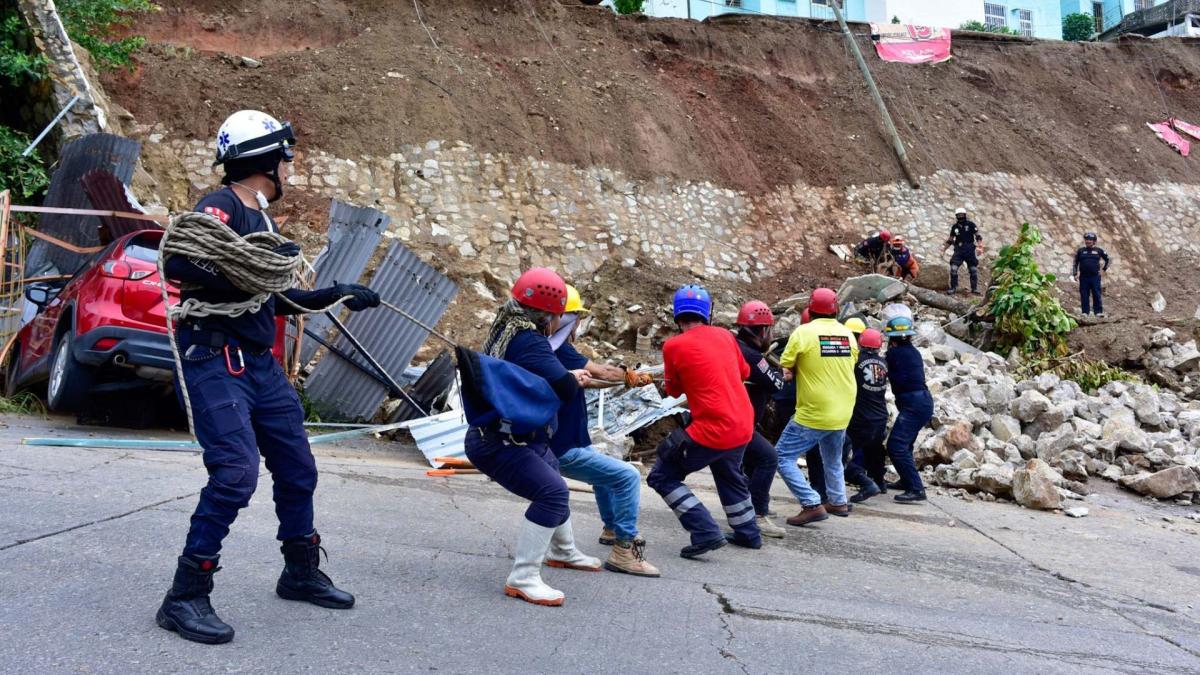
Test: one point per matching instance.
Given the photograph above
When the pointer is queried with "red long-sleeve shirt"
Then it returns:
(706, 364)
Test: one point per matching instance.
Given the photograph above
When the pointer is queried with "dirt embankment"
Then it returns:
(746, 102)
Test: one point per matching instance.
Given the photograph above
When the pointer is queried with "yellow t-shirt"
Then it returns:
(822, 354)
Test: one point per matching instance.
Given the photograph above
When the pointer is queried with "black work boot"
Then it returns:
(186, 609)
(303, 580)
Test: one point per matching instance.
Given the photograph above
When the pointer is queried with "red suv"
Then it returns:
(106, 324)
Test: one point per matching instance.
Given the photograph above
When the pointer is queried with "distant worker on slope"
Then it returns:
(1088, 270)
(904, 263)
(873, 249)
(967, 243)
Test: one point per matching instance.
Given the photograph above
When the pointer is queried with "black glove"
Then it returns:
(289, 249)
(361, 297)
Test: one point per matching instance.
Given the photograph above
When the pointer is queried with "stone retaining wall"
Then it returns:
(502, 213)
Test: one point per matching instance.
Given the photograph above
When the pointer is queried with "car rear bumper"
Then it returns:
(136, 348)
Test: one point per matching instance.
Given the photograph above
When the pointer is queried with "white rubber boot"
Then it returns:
(564, 554)
(525, 580)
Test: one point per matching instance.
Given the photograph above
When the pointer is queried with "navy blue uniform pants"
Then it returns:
(759, 464)
(527, 470)
(867, 439)
(964, 255)
(1089, 294)
(678, 456)
(237, 417)
(915, 411)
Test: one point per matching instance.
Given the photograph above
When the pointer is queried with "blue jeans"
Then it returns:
(237, 418)
(617, 486)
(796, 440)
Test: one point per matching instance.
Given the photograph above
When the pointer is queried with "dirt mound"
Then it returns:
(746, 102)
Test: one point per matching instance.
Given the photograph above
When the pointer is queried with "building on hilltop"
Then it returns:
(855, 10)
(1031, 18)
(1152, 18)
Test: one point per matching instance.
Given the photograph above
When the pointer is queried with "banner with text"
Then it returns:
(902, 43)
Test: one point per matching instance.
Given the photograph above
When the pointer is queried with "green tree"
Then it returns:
(895, 19)
(18, 65)
(1078, 27)
(96, 24)
(25, 177)
(985, 28)
(1028, 316)
(629, 6)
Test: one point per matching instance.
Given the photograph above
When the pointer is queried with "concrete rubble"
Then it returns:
(1039, 441)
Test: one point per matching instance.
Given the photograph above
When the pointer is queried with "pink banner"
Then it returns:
(1189, 129)
(1168, 135)
(902, 43)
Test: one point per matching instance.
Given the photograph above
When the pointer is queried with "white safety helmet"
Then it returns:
(248, 133)
(960, 211)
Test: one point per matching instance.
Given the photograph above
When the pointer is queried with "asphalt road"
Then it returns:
(88, 540)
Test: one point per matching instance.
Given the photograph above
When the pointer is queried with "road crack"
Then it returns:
(726, 610)
(98, 521)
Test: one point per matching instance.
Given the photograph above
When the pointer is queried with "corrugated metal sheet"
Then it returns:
(96, 151)
(440, 436)
(340, 390)
(428, 388)
(631, 409)
(353, 234)
(107, 193)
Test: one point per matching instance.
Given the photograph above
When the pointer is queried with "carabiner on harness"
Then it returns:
(229, 362)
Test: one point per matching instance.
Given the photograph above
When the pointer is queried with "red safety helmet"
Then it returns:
(823, 301)
(805, 317)
(541, 288)
(871, 339)
(755, 313)
(885, 235)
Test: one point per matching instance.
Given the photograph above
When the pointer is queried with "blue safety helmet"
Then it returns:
(693, 299)
(899, 326)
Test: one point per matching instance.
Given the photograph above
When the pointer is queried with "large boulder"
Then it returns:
(1033, 487)
(1072, 464)
(995, 479)
(1052, 443)
(1146, 407)
(1164, 484)
(1029, 405)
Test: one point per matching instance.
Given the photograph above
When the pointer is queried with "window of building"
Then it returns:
(1142, 4)
(1098, 16)
(993, 15)
(733, 3)
(1025, 22)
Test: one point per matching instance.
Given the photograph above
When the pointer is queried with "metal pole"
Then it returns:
(374, 364)
(883, 111)
(59, 116)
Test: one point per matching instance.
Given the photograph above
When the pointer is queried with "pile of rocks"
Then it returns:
(1173, 364)
(1038, 441)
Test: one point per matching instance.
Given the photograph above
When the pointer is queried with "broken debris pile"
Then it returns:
(1007, 439)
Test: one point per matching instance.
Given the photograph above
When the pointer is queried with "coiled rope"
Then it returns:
(249, 263)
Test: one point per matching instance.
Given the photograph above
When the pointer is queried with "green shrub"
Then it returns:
(1078, 27)
(1028, 316)
(985, 28)
(17, 65)
(629, 6)
(94, 24)
(25, 177)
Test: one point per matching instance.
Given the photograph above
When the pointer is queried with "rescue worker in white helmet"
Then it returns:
(242, 403)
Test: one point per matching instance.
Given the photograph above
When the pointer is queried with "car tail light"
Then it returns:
(105, 344)
(119, 269)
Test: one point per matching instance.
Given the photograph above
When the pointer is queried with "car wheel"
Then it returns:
(70, 380)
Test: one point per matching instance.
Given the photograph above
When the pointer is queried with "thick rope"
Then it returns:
(249, 262)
